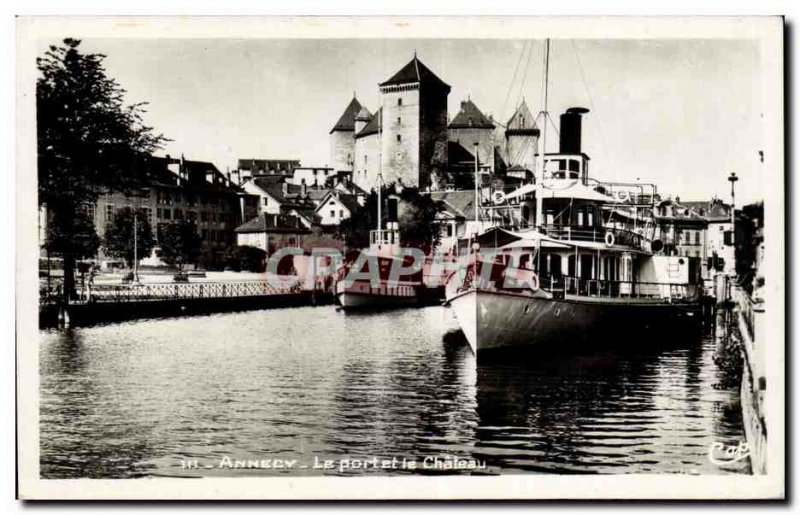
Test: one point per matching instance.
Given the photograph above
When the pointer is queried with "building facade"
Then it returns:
(176, 190)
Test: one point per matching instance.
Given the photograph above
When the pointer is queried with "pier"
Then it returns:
(107, 303)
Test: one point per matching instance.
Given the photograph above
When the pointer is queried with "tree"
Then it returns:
(88, 142)
(416, 218)
(245, 257)
(74, 235)
(180, 243)
(118, 241)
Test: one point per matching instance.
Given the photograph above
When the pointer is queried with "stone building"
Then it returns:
(410, 141)
(470, 127)
(414, 105)
(342, 140)
(367, 151)
(408, 133)
(270, 232)
(521, 143)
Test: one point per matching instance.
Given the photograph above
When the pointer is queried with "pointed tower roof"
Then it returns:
(363, 115)
(522, 121)
(373, 126)
(469, 116)
(413, 72)
(347, 122)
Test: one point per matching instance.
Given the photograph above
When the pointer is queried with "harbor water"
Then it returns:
(298, 387)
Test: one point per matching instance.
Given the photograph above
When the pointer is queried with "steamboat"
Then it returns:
(570, 261)
(379, 277)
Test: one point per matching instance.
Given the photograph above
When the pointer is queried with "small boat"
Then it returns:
(379, 277)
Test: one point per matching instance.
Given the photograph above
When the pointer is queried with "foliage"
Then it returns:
(749, 225)
(88, 143)
(118, 241)
(72, 235)
(245, 257)
(416, 217)
(180, 244)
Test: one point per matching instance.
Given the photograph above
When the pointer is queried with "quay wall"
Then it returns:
(750, 320)
(92, 313)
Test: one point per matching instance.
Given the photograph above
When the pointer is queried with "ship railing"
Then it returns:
(172, 291)
(383, 237)
(634, 194)
(595, 234)
(599, 288)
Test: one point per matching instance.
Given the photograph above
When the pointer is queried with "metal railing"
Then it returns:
(619, 289)
(172, 291)
(595, 234)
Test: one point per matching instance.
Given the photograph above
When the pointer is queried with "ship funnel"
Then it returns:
(570, 134)
(391, 208)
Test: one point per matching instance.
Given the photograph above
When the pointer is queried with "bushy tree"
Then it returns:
(74, 235)
(118, 239)
(88, 142)
(180, 244)
(416, 218)
(245, 257)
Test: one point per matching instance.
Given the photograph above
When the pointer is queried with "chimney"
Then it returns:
(391, 209)
(303, 188)
(570, 134)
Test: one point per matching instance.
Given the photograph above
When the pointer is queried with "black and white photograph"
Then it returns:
(400, 258)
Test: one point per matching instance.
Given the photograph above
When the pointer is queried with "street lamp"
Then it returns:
(732, 179)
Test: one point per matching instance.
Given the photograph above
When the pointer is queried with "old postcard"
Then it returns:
(400, 258)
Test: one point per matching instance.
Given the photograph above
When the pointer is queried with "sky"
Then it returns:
(682, 114)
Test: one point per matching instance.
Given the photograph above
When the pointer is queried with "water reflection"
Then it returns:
(140, 398)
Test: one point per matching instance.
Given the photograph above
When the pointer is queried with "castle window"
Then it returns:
(470, 122)
(398, 120)
(399, 101)
(365, 158)
(399, 138)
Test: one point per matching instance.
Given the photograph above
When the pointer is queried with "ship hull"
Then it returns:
(359, 301)
(495, 320)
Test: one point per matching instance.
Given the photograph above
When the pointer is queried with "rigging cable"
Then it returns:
(513, 79)
(591, 101)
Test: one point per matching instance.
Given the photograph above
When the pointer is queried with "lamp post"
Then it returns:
(732, 179)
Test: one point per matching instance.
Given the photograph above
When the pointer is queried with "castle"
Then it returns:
(408, 138)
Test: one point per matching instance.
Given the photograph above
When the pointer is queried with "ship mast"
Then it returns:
(379, 181)
(543, 116)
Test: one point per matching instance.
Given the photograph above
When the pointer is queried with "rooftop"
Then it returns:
(415, 72)
(469, 116)
(373, 126)
(347, 122)
(266, 222)
(457, 203)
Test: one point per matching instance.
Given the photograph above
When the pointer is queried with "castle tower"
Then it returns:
(342, 138)
(367, 151)
(362, 119)
(522, 138)
(414, 125)
(470, 126)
